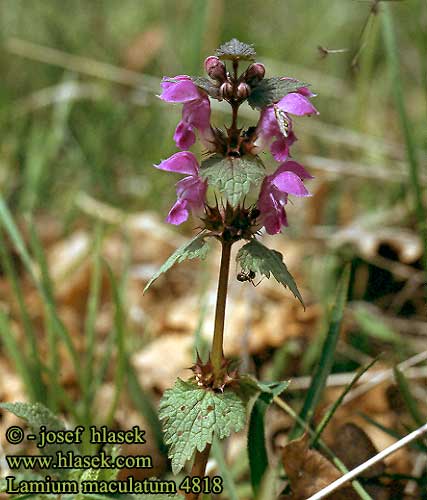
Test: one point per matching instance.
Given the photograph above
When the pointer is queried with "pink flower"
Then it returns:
(196, 111)
(287, 179)
(191, 191)
(275, 123)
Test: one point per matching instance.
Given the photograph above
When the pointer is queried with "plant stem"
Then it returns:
(198, 469)
(217, 354)
(391, 46)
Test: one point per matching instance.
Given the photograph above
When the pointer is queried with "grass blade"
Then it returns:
(119, 328)
(224, 470)
(92, 309)
(51, 331)
(329, 414)
(395, 79)
(391, 432)
(11, 229)
(33, 359)
(16, 354)
(324, 366)
(410, 402)
(144, 405)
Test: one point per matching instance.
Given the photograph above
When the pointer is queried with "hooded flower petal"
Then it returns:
(184, 136)
(196, 112)
(179, 89)
(191, 191)
(296, 168)
(288, 182)
(273, 214)
(178, 213)
(183, 162)
(287, 179)
(297, 104)
(280, 149)
(268, 128)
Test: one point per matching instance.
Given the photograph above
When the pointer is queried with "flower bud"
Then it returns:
(215, 68)
(243, 90)
(226, 90)
(255, 73)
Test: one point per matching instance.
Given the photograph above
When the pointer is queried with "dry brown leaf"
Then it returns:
(308, 471)
(406, 244)
(354, 447)
(162, 361)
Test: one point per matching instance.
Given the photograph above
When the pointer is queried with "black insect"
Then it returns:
(248, 276)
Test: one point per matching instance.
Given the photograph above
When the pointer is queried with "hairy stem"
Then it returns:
(198, 469)
(217, 354)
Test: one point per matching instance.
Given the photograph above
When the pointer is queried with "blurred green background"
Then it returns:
(70, 122)
(80, 121)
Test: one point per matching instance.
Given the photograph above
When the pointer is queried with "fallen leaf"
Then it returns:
(308, 471)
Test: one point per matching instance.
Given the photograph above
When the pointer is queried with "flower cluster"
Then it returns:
(277, 99)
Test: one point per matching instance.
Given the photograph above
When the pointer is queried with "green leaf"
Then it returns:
(257, 452)
(375, 326)
(254, 256)
(192, 415)
(196, 248)
(233, 177)
(236, 51)
(207, 85)
(249, 386)
(37, 415)
(271, 90)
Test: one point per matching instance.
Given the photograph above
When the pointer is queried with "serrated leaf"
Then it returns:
(254, 256)
(236, 51)
(207, 85)
(192, 415)
(197, 248)
(233, 177)
(271, 90)
(37, 415)
(250, 386)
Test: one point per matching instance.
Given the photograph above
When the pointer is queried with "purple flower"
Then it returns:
(196, 111)
(275, 123)
(287, 179)
(191, 191)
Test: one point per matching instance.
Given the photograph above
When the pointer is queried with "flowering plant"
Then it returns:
(234, 198)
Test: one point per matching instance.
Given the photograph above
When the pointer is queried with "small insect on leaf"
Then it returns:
(247, 276)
